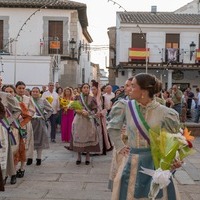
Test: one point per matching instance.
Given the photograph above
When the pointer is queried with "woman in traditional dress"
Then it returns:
(12, 113)
(28, 111)
(129, 183)
(104, 140)
(3, 149)
(67, 116)
(85, 126)
(18, 150)
(43, 111)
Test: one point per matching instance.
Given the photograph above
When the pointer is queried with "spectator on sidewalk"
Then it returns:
(107, 98)
(190, 96)
(176, 98)
(197, 113)
(54, 101)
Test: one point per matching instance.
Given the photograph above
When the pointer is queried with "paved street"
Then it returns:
(60, 178)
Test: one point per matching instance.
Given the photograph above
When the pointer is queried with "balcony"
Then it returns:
(174, 58)
(54, 47)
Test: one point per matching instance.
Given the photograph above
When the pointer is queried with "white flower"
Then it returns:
(181, 138)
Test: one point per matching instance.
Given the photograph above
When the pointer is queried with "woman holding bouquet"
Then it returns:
(67, 115)
(140, 114)
(28, 110)
(85, 126)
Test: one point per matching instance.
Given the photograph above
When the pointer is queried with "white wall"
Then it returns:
(28, 42)
(32, 70)
(124, 44)
(29, 39)
(120, 80)
(156, 42)
(156, 37)
(185, 40)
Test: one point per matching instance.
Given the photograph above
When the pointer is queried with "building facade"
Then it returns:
(162, 43)
(52, 30)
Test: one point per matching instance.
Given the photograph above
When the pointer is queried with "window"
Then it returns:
(1, 34)
(138, 52)
(138, 40)
(55, 37)
(172, 47)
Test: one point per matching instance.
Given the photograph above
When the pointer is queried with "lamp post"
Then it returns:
(192, 49)
(72, 43)
(146, 60)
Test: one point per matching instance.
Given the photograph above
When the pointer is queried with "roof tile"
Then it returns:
(159, 18)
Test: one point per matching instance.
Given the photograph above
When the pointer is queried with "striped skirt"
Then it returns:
(130, 184)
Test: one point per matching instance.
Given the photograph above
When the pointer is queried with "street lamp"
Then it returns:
(72, 43)
(192, 49)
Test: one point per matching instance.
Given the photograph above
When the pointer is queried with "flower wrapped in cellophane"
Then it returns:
(68, 104)
(165, 149)
(49, 99)
(75, 105)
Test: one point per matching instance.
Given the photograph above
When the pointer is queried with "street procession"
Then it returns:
(99, 107)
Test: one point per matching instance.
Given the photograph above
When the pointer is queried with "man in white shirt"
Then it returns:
(107, 98)
(56, 107)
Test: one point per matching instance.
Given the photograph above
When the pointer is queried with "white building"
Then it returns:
(162, 43)
(103, 77)
(47, 41)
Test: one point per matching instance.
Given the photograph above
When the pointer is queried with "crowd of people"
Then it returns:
(106, 119)
(29, 117)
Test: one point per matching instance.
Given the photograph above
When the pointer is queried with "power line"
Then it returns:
(120, 6)
(137, 25)
(26, 21)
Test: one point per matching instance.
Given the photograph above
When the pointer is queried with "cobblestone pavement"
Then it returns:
(60, 178)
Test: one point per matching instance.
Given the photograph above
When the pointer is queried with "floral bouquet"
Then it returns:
(49, 99)
(165, 149)
(67, 104)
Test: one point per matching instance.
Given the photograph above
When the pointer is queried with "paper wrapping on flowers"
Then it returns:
(68, 104)
(165, 148)
(49, 99)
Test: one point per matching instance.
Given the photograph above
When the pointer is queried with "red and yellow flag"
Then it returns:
(138, 53)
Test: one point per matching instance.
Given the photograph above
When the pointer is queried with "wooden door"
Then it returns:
(55, 37)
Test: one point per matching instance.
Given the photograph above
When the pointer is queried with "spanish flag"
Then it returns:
(138, 53)
(198, 54)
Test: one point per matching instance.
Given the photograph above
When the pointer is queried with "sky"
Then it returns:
(102, 14)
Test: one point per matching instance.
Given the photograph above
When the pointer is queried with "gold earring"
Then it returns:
(142, 96)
